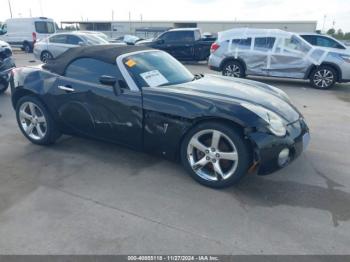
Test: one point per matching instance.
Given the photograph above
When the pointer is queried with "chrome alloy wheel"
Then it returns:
(212, 155)
(232, 70)
(32, 121)
(46, 57)
(323, 78)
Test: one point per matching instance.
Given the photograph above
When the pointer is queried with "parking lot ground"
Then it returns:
(88, 197)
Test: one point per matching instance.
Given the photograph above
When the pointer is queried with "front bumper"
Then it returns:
(268, 147)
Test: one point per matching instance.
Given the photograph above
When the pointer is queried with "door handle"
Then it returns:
(66, 88)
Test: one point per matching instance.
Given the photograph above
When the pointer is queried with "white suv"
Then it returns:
(276, 53)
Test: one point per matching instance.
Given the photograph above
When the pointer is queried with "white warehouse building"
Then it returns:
(147, 29)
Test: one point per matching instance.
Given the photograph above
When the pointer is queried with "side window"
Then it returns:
(294, 44)
(264, 43)
(165, 37)
(241, 43)
(58, 39)
(184, 36)
(328, 42)
(310, 39)
(73, 40)
(197, 35)
(90, 70)
(42, 27)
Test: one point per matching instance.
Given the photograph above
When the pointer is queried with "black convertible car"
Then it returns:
(220, 128)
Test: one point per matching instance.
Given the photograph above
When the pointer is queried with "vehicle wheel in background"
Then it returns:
(46, 56)
(3, 85)
(233, 69)
(215, 155)
(26, 47)
(323, 77)
(35, 122)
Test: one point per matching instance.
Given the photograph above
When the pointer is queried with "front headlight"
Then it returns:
(274, 122)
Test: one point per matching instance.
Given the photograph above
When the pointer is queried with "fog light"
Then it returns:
(283, 157)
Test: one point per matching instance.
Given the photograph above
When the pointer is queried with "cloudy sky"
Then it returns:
(337, 11)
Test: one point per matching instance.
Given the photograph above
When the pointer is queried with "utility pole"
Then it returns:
(10, 8)
(129, 22)
(324, 23)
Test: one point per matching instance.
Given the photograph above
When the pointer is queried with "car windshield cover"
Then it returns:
(155, 69)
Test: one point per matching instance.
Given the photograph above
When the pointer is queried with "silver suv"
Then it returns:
(276, 53)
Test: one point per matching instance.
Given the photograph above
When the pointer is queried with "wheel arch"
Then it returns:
(329, 64)
(229, 122)
(232, 59)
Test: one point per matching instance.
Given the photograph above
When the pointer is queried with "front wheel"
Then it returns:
(323, 77)
(215, 155)
(35, 122)
(233, 69)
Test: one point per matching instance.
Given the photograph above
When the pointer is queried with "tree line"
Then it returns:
(339, 34)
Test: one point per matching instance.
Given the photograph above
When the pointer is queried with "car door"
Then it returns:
(182, 45)
(259, 57)
(57, 44)
(162, 42)
(92, 109)
(289, 58)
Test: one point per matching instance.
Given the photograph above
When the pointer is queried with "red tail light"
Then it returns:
(214, 47)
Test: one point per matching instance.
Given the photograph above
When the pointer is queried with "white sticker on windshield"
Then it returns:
(154, 78)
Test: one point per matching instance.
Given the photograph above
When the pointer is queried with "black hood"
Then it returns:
(241, 90)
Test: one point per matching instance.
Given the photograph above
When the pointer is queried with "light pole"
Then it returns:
(10, 8)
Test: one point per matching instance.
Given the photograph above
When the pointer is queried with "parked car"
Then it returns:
(24, 32)
(322, 40)
(276, 53)
(57, 44)
(182, 43)
(145, 99)
(6, 64)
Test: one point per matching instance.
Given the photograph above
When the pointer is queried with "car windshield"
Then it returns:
(156, 68)
(95, 40)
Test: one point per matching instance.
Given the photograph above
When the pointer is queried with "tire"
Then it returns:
(46, 56)
(3, 85)
(27, 48)
(323, 77)
(233, 69)
(202, 164)
(44, 130)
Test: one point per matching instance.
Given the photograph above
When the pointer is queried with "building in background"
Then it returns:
(148, 29)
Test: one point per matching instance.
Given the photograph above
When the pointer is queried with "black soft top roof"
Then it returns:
(105, 53)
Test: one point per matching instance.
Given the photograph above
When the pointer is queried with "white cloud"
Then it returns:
(60, 10)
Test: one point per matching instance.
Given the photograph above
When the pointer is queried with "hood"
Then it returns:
(241, 90)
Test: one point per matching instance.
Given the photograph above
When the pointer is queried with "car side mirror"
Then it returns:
(119, 87)
(81, 43)
(108, 80)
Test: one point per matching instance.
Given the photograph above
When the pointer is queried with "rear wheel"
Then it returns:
(35, 122)
(215, 155)
(323, 77)
(27, 48)
(233, 69)
(46, 56)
